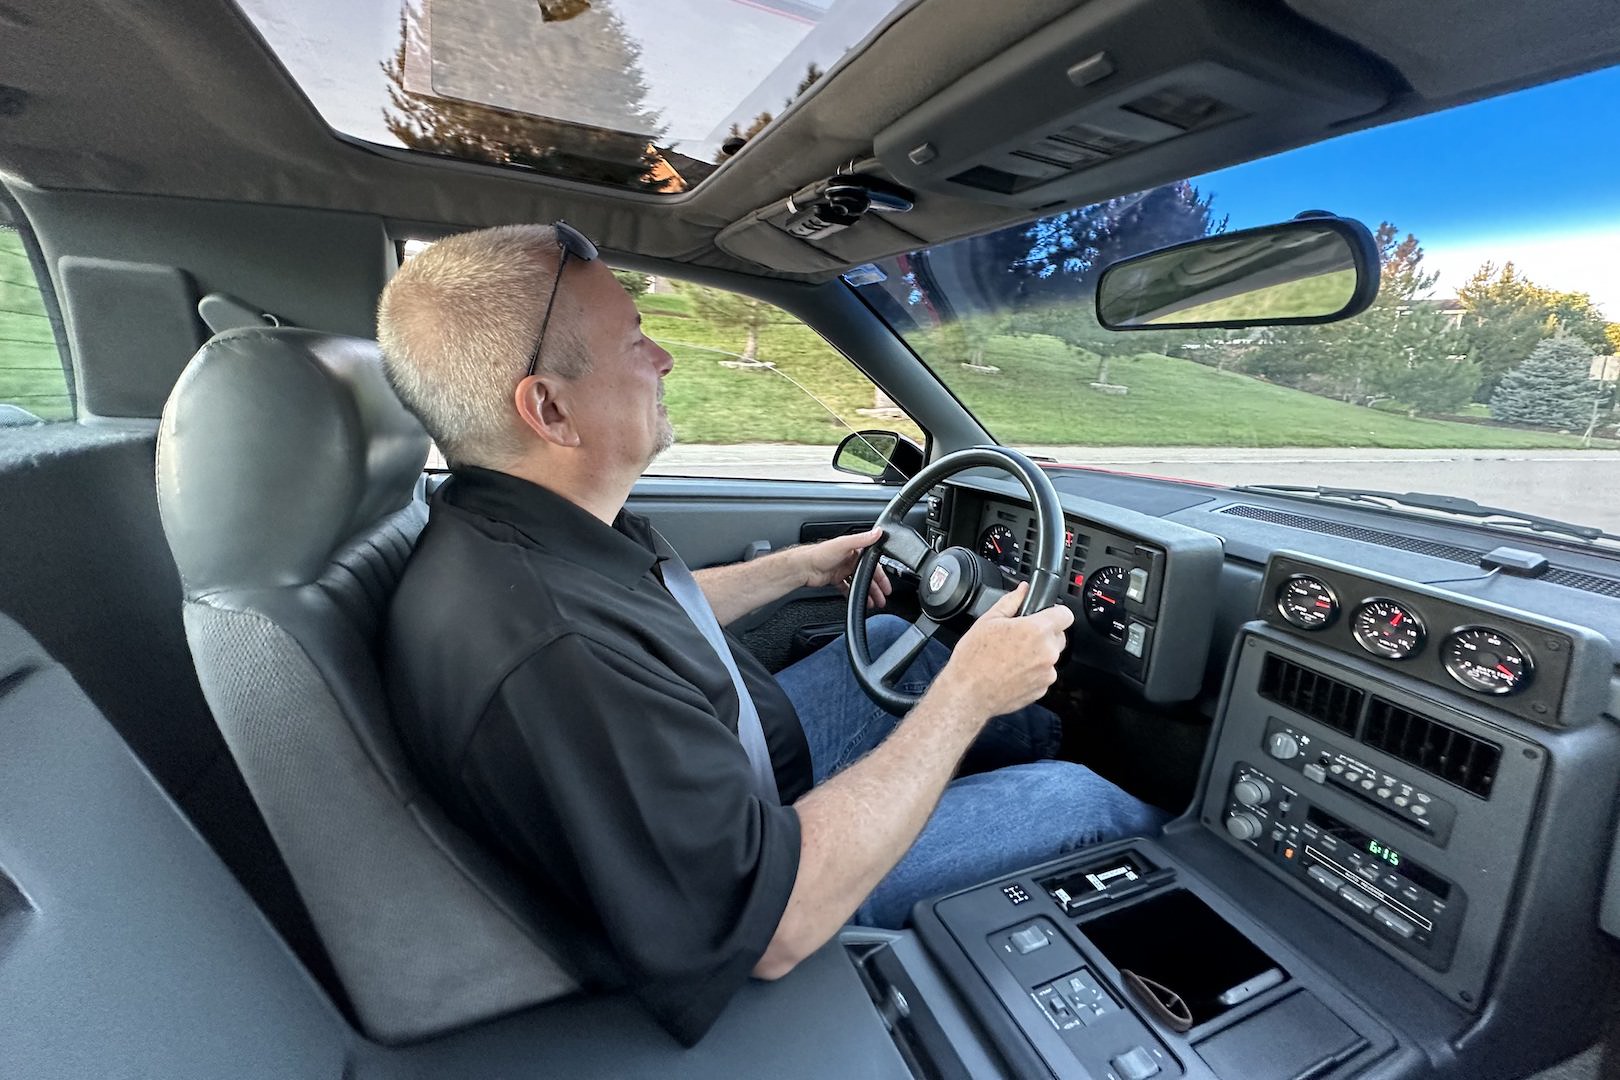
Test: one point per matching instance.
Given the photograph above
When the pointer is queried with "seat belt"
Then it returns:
(686, 591)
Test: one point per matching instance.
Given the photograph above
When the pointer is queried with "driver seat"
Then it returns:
(289, 487)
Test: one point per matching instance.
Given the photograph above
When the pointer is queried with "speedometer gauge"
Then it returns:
(1103, 600)
(1307, 602)
(1000, 546)
(1486, 660)
(1385, 628)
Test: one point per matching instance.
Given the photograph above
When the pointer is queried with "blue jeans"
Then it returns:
(1024, 810)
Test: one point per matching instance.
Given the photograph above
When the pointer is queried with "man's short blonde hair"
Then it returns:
(456, 326)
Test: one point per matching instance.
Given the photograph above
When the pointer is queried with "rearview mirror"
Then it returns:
(1310, 270)
(884, 456)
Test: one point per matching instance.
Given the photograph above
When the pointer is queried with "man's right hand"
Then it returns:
(1005, 661)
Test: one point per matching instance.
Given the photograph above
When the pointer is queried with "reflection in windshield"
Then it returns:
(1489, 382)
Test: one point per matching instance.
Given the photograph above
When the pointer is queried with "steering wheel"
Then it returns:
(955, 581)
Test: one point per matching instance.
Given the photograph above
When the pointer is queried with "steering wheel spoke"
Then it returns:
(898, 656)
(903, 544)
(988, 597)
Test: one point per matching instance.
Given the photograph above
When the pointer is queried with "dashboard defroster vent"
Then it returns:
(1440, 749)
(1310, 693)
(1380, 537)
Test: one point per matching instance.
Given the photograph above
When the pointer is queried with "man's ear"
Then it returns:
(542, 403)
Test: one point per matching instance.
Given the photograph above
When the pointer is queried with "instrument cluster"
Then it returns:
(1481, 658)
(1521, 662)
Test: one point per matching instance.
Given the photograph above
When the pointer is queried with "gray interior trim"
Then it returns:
(183, 99)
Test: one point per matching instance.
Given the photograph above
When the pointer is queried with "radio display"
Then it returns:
(1371, 845)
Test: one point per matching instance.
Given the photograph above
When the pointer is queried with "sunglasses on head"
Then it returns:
(571, 242)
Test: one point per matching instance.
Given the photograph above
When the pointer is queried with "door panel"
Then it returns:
(712, 522)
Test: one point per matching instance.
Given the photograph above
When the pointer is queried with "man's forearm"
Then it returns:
(855, 827)
(733, 591)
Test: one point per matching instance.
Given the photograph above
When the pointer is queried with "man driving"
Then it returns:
(562, 682)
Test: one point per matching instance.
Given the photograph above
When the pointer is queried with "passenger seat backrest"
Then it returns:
(288, 485)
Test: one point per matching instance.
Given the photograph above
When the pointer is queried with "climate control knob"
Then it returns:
(1282, 746)
(1243, 826)
(1251, 793)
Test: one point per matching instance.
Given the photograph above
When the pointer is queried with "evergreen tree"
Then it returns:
(1552, 388)
(595, 65)
(739, 135)
(634, 281)
(1063, 254)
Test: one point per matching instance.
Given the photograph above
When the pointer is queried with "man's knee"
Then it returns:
(883, 631)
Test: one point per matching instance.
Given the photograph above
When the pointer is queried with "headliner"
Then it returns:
(182, 98)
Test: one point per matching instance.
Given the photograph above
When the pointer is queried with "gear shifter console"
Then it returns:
(1113, 962)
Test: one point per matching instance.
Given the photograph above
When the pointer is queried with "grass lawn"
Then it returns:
(31, 374)
(1040, 396)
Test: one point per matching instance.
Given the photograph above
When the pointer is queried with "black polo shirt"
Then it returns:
(566, 711)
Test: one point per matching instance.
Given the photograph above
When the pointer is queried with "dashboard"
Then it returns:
(1406, 797)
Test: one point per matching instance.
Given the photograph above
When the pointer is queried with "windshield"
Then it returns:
(1485, 369)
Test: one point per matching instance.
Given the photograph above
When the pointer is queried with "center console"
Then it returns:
(1124, 966)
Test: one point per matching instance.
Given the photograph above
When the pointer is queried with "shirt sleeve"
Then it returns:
(619, 784)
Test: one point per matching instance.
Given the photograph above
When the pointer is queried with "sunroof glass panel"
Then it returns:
(642, 94)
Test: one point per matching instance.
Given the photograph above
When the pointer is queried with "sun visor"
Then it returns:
(1111, 97)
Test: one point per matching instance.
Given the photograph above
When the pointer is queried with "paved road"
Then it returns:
(1573, 485)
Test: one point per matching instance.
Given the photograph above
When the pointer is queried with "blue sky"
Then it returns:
(1533, 176)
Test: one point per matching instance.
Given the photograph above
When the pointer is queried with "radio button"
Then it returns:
(1401, 800)
(1420, 811)
(1358, 899)
(1393, 922)
(1315, 773)
(1325, 877)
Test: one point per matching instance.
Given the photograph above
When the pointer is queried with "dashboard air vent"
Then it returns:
(1436, 748)
(1356, 532)
(1310, 693)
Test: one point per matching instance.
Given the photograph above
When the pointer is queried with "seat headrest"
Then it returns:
(278, 445)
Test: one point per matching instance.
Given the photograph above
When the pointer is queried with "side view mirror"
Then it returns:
(885, 457)
(1316, 268)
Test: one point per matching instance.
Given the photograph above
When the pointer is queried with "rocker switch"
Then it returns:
(1029, 939)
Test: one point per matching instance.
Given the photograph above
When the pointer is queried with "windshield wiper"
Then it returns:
(1441, 504)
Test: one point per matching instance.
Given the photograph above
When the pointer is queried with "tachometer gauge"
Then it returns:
(1307, 602)
(1486, 660)
(1103, 600)
(1385, 628)
(1000, 546)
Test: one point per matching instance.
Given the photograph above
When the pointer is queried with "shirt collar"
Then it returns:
(623, 551)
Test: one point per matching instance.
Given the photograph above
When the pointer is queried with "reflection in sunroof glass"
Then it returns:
(645, 94)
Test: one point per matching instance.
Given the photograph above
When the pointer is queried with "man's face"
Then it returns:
(618, 404)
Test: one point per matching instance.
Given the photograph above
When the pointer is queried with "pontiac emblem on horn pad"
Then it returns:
(937, 580)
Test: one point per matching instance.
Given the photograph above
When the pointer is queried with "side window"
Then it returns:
(755, 393)
(33, 382)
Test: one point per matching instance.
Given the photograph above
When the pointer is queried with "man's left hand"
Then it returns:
(833, 562)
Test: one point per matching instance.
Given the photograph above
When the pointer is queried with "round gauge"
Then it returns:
(1307, 602)
(1000, 546)
(1103, 600)
(1385, 628)
(1486, 660)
